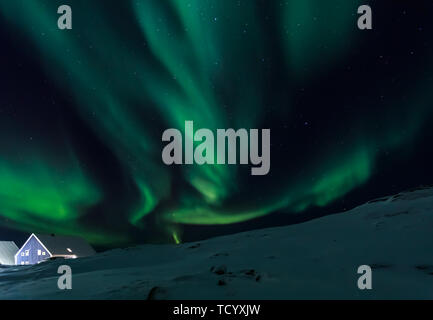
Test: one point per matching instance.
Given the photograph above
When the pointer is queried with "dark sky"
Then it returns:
(82, 112)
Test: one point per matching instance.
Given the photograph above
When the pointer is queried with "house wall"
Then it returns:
(28, 254)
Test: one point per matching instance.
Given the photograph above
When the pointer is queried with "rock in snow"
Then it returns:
(312, 260)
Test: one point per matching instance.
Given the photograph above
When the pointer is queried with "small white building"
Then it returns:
(8, 249)
(39, 247)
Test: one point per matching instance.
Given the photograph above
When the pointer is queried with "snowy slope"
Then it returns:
(316, 259)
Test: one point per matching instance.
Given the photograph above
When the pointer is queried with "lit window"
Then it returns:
(69, 249)
(39, 252)
(27, 262)
(27, 252)
(22, 254)
(43, 253)
(22, 262)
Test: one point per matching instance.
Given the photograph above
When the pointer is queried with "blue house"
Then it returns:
(40, 247)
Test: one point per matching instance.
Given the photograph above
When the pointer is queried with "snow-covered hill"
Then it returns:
(316, 259)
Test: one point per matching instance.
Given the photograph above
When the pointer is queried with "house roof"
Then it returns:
(7, 252)
(59, 245)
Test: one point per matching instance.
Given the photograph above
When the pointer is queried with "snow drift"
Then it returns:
(313, 260)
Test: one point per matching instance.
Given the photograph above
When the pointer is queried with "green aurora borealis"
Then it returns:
(134, 68)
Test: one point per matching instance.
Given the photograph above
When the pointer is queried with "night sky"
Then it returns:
(82, 113)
